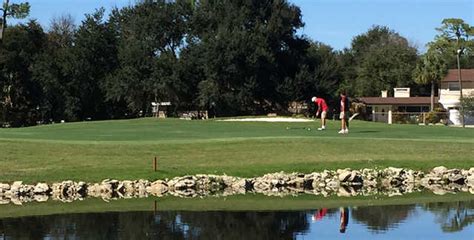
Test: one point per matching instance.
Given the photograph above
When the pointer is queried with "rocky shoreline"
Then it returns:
(343, 182)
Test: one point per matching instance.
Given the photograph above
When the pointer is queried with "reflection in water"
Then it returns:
(344, 219)
(454, 216)
(382, 218)
(433, 220)
(165, 225)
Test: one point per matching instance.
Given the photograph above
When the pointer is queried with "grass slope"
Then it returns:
(124, 149)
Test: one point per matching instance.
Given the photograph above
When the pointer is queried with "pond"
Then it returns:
(429, 220)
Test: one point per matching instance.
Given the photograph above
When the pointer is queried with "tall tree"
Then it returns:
(12, 11)
(430, 69)
(318, 74)
(151, 37)
(453, 42)
(382, 60)
(54, 70)
(94, 57)
(21, 95)
(250, 48)
(453, 35)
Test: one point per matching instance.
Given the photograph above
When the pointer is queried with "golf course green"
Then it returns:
(125, 149)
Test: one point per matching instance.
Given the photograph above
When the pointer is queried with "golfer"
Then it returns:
(344, 115)
(322, 108)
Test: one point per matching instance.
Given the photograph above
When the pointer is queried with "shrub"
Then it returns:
(436, 116)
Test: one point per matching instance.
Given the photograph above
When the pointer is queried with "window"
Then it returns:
(452, 86)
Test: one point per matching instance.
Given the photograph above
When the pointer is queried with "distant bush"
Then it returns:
(468, 105)
(437, 116)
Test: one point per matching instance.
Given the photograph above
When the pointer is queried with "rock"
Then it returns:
(332, 184)
(457, 178)
(394, 171)
(439, 171)
(15, 187)
(343, 192)
(470, 181)
(185, 184)
(41, 188)
(344, 176)
(41, 198)
(157, 188)
(4, 187)
(439, 191)
(261, 186)
(239, 184)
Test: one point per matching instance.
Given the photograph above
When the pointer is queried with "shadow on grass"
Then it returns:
(367, 131)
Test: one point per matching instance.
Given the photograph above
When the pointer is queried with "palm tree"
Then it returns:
(8, 10)
(431, 68)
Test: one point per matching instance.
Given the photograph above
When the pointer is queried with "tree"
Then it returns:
(453, 42)
(467, 103)
(453, 35)
(318, 74)
(12, 10)
(94, 57)
(54, 69)
(22, 95)
(151, 37)
(250, 49)
(430, 68)
(382, 60)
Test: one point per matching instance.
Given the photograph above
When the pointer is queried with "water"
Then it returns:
(451, 220)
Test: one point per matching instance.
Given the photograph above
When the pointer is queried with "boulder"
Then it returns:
(41, 188)
(4, 187)
(457, 178)
(157, 188)
(344, 176)
(439, 171)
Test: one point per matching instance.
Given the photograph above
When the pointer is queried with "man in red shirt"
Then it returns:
(322, 108)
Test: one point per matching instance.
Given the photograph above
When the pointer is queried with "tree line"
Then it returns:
(234, 56)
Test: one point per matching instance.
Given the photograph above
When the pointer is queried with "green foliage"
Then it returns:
(228, 57)
(431, 68)
(15, 10)
(467, 103)
(250, 52)
(439, 115)
(453, 35)
(318, 75)
(21, 95)
(18, 10)
(151, 37)
(380, 59)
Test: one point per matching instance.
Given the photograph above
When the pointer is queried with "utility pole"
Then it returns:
(460, 88)
(458, 56)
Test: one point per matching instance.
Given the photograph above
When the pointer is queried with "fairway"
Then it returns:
(124, 149)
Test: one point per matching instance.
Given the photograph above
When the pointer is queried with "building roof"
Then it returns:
(409, 101)
(467, 75)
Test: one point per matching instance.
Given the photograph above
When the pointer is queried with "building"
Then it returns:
(449, 93)
(384, 108)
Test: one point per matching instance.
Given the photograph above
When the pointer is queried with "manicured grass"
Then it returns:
(248, 202)
(92, 151)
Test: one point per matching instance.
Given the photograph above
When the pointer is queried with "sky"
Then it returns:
(333, 22)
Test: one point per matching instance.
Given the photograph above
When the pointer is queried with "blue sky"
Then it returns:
(334, 22)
